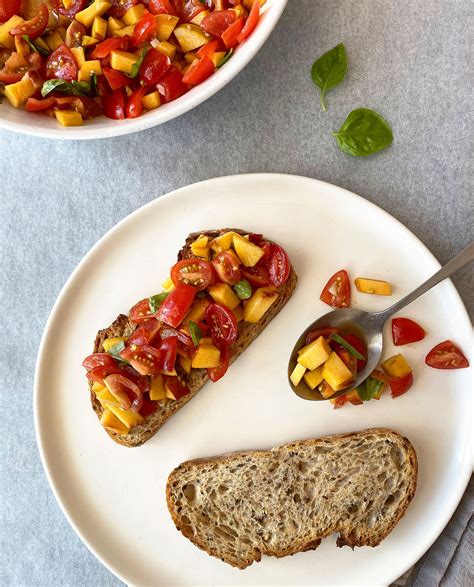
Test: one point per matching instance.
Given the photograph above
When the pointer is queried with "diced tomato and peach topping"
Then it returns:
(76, 60)
(192, 324)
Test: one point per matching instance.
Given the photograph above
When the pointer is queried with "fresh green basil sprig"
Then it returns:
(363, 133)
(329, 71)
(369, 388)
(59, 85)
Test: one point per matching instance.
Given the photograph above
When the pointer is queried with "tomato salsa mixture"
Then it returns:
(76, 59)
(191, 325)
(330, 359)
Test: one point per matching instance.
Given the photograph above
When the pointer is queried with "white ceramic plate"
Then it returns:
(44, 126)
(114, 497)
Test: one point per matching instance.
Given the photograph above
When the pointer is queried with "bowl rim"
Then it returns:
(271, 13)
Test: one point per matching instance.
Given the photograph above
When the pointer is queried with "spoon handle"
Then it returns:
(459, 261)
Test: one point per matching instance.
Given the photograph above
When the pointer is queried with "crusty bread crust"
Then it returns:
(198, 377)
(352, 532)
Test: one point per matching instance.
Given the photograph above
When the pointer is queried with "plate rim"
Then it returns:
(464, 475)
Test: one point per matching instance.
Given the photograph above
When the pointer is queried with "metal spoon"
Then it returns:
(369, 326)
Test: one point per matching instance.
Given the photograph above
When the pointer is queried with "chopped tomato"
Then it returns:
(88, 107)
(347, 358)
(120, 7)
(154, 66)
(226, 265)
(325, 332)
(8, 8)
(340, 401)
(99, 373)
(16, 66)
(141, 311)
(169, 349)
(405, 331)
(176, 305)
(256, 276)
(209, 48)
(176, 387)
(446, 355)
(148, 407)
(34, 27)
(250, 23)
(122, 387)
(106, 47)
(114, 105)
(145, 359)
(134, 103)
(215, 373)
(231, 34)
(74, 33)
(115, 79)
(144, 29)
(359, 346)
(400, 385)
(171, 85)
(185, 343)
(277, 264)
(337, 291)
(217, 22)
(161, 7)
(34, 105)
(73, 8)
(222, 325)
(145, 334)
(190, 9)
(195, 272)
(256, 239)
(199, 70)
(61, 64)
(98, 360)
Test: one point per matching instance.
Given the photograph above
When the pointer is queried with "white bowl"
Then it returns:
(44, 126)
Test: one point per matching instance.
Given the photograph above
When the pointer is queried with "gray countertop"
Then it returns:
(408, 60)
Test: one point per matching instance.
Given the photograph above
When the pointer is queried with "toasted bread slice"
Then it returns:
(198, 377)
(279, 502)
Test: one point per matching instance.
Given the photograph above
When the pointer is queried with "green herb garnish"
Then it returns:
(226, 58)
(349, 348)
(329, 70)
(33, 47)
(363, 133)
(117, 348)
(369, 388)
(196, 332)
(59, 85)
(136, 66)
(243, 289)
(155, 301)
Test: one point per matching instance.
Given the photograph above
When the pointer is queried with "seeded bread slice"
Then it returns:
(198, 377)
(279, 502)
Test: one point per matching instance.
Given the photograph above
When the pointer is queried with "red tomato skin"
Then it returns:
(154, 66)
(115, 79)
(146, 333)
(34, 27)
(144, 30)
(400, 385)
(34, 105)
(199, 70)
(62, 64)
(230, 35)
(98, 360)
(216, 373)
(277, 263)
(161, 7)
(200, 272)
(176, 305)
(148, 407)
(134, 106)
(325, 332)
(171, 85)
(405, 331)
(342, 298)
(250, 23)
(120, 7)
(359, 346)
(257, 276)
(190, 9)
(114, 105)
(217, 22)
(8, 8)
(99, 373)
(70, 12)
(177, 388)
(223, 326)
(227, 267)
(446, 355)
(141, 311)
(106, 47)
(209, 48)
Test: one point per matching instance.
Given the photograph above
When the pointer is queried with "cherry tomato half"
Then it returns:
(256, 276)
(122, 387)
(134, 106)
(446, 355)
(34, 27)
(114, 105)
(190, 9)
(144, 29)
(215, 373)
(98, 360)
(337, 291)
(199, 70)
(217, 22)
(106, 47)
(222, 325)
(231, 34)
(226, 265)
(34, 105)
(8, 8)
(141, 311)
(250, 23)
(195, 272)
(175, 307)
(277, 264)
(61, 64)
(154, 66)
(115, 79)
(74, 33)
(145, 359)
(161, 7)
(405, 331)
(146, 333)
(171, 85)
(400, 385)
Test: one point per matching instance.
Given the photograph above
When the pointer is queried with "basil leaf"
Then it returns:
(136, 66)
(33, 47)
(59, 85)
(349, 348)
(225, 59)
(363, 133)
(155, 301)
(369, 388)
(329, 70)
(243, 289)
(196, 332)
(117, 348)
(93, 85)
